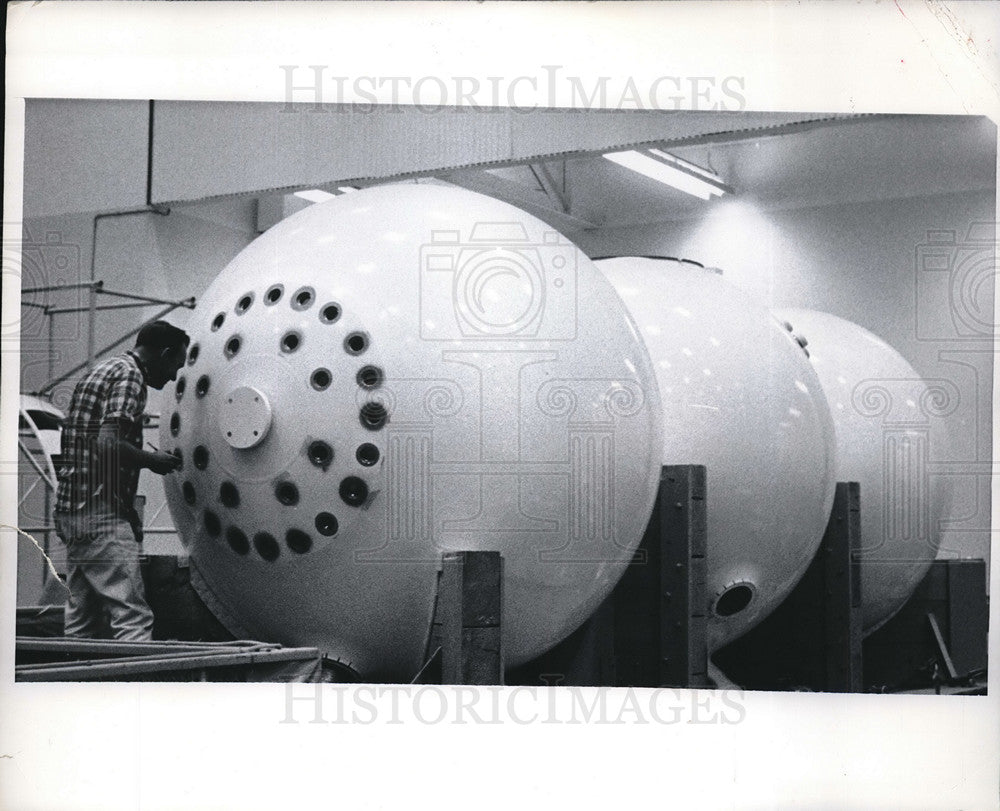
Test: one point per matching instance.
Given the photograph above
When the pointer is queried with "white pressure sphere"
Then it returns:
(393, 374)
(740, 397)
(889, 424)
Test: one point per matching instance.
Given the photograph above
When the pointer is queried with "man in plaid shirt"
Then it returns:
(102, 454)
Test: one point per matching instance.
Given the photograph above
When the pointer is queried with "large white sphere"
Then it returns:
(396, 373)
(740, 397)
(882, 412)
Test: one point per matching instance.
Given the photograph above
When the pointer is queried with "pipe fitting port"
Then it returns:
(356, 343)
(274, 294)
(290, 341)
(201, 387)
(320, 454)
(321, 379)
(212, 525)
(370, 377)
(175, 424)
(329, 313)
(229, 495)
(354, 491)
(733, 600)
(266, 546)
(298, 541)
(287, 493)
(218, 321)
(303, 298)
(367, 454)
(193, 354)
(200, 457)
(179, 388)
(244, 304)
(327, 524)
(232, 347)
(187, 489)
(237, 540)
(373, 415)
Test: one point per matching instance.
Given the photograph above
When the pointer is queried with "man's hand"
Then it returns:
(162, 463)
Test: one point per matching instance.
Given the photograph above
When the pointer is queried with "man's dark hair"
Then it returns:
(159, 335)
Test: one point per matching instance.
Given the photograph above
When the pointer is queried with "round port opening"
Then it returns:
(353, 491)
(287, 493)
(298, 541)
(367, 454)
(326, 524)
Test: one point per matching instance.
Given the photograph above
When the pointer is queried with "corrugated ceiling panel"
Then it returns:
(84, 155)
(551, 131)
(205, 149)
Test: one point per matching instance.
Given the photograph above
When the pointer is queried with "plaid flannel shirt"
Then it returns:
(113, 391)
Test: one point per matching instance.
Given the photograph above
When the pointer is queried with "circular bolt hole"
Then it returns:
(274, 293)
(200, 457)
(212, 525)
(193, 354)
(201, 387)
(287, 493)
(298, 541)
(266, 546)
(373, 415)
(353, 491)
(229, 495)
(238, 540)
(367, 454)
(326, 524)
(244, 303)
(232, 346)
(175, 424)
(329, 313)
(356, 343)
(369, 377)
(303, 298)
(290, 341)
(179, 388)
(321, 379)
(320, 454)
(733, 600)
(217, 321)
(188, 490)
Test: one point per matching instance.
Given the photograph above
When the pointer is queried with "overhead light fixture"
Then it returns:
(321, 196)
(315, 195)
(673, 171)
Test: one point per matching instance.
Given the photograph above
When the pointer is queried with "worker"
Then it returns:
(102, 454)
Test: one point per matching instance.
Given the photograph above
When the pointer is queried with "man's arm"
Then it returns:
(112, 446)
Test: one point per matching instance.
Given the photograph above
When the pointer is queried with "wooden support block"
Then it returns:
(660, 622)
(469, 612)
(683, 623)
(841, 608)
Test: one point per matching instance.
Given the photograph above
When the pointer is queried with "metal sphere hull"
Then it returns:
(740, 397)
(396, 373)
(881, 410)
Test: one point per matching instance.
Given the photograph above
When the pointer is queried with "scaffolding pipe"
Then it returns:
(66, 375)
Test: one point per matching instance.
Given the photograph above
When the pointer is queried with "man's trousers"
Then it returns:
(103, 574)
